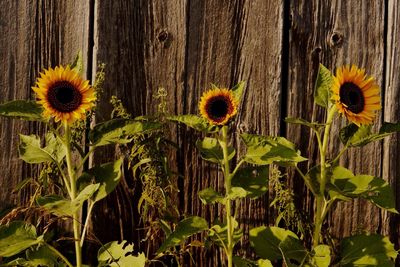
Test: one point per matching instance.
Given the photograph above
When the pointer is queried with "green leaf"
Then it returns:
(119, 254)
(16, 237)
(242, 262)
(65, 207)
(218, 233)
(264, 150)
(211, 150)
(345, 185)
(321, 256)
(238, 89)
(119, 131)
(355, 136)
(313, 177)
(31, 152)
(77, 64)
(237, 192)
(313, 125)
(41, 256)
(184, 229)
(22, 109)
(322, 92)
(210, 196)
(254, 180)
(367, 250)
(274, 243)
(107, 176)
(195, 122)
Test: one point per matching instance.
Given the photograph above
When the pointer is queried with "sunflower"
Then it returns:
(64, 95)
(356, 96)
(218, 105)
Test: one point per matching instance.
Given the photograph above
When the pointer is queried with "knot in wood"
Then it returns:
(336, 39)
(164, 37)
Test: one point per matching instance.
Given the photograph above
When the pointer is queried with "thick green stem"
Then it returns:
(318, 218)
(75, 216)
(227, 176)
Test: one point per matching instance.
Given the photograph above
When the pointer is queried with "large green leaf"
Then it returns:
(274, 243)
(253, 179)
(16, 237)
(321, 256)
(195, 122)
(119, 254)
(210, 196)
(264, 150)
(238, 89)
(65, 207)
(22, 109)
(242, 262)
(218, 233)
(119, 131)
(108, 176)
(367, 250)
(345, 185)
(355, 136)
(185, 228)
(323, 86)
(31, 152)
(211, 150)
(41, 256)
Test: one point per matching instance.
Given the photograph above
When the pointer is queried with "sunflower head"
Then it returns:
(64, 95)
(218, 106)
(356, 96)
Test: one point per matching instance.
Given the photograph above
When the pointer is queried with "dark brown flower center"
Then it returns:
(64, 97)
(352, 96)
(218, 108)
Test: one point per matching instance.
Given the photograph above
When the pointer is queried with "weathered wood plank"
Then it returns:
(34, 35)
(391, 113)
(336, 33)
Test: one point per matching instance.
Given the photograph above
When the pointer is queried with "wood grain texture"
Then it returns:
(34, 35)
(336, 33)
(391, 113)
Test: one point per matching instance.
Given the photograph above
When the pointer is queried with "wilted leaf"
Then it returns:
(77, 64)
(367, 250)
(195, 122)
(22, 109)
(238, 89)
(183, 230)
(16, 237)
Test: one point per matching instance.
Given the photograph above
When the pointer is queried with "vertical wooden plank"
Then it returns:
(391, 93)
(336, 33)
(34, 35)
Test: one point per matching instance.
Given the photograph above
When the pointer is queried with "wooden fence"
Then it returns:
(184, 45)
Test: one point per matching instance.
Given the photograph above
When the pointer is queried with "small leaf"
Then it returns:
(367, 250)
(77, 64)
(22, 109)
(119, 131)
(218, 233)
(16, 237)
(211, 150)
(254, 180)
(313, 125)
(210, 196)
(237, 192)
(184, 229)
(274, 243)
(238, 89)
(322, 92)
(195, 122)
(264, 150)
(321, 256)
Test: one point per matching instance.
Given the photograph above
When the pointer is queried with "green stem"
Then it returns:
(64, 179)
(90, 208)
(91, 150)
(318, 218)
(58, 253)
(227, 176)
(75, 216)
(340, 154)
